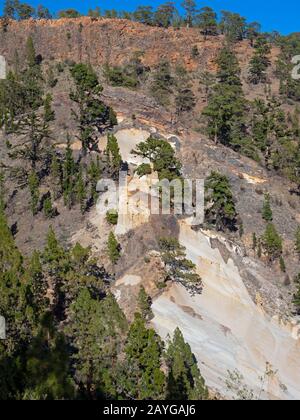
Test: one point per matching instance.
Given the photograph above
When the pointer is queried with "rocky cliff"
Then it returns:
(113, 41)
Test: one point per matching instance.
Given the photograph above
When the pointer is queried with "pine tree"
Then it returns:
(162, 84)
(113, 155)
(145, 379)
(184, 378)
(233, 26)
(53, 253)
(81, 192)
(9, 10)
(24, 119)
(282, 264)
(260, 62)
(92, 115)
(226, 107)
(33, 184)
(32, 78)
(144, 14)
(33, 149)
(15, 291)
(113, 248)
(43, 12)
(185, 99)
(272, 242)
(38, 284)
(94, 173)
(69, 172)
(95, 329)
(96, 13)
(49, 114)
(164, 15)
(144, 303)
(190, 8)
(296, 299)
(56, 175)
(24, 10)
(178, 268)
(207, 21)
(252, 31)
(220, 208)
(297, 240)
(47, 365)
(48, 209)
(267, 213)
(162, 155)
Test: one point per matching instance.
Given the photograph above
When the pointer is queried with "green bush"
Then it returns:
(117, 76)
(48, 209)
(112, 217)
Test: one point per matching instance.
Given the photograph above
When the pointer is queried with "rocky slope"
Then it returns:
(241, 322)
(244, 318)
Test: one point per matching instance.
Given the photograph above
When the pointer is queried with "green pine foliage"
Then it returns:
(48, 209)
(144, 304)
(47, 365)
(94, 175)
(260, 61)
(113, 248)
(49, 114)
(143, 350)
(233, 26)
(220, 208)
(95, 329)
(207, 21)
(296, 299)
(81, 194)
(162, 155)
(282, 264)
(185, 99)
(185, 381)
(91, 115)
(162, 84)
(69, 176)
(112, 217)
(33, 183)
(272, 242)
(114, 158)
(132, 75)
(56, 175)
(225, 111)
(267, 213)
(178, 268)
(144, 169)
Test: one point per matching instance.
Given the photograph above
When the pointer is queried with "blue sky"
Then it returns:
(283, 16)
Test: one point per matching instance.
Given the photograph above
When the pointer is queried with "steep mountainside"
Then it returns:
(244, 323)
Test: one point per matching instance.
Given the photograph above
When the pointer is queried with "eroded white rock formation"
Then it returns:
(226, 330)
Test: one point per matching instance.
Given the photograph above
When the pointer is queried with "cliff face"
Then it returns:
(111, 40)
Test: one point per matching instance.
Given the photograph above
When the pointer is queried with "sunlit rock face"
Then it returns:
(226, 330)
(128, 139)
(134, 208)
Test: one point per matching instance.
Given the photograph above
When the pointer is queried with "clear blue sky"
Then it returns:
(283, 16)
